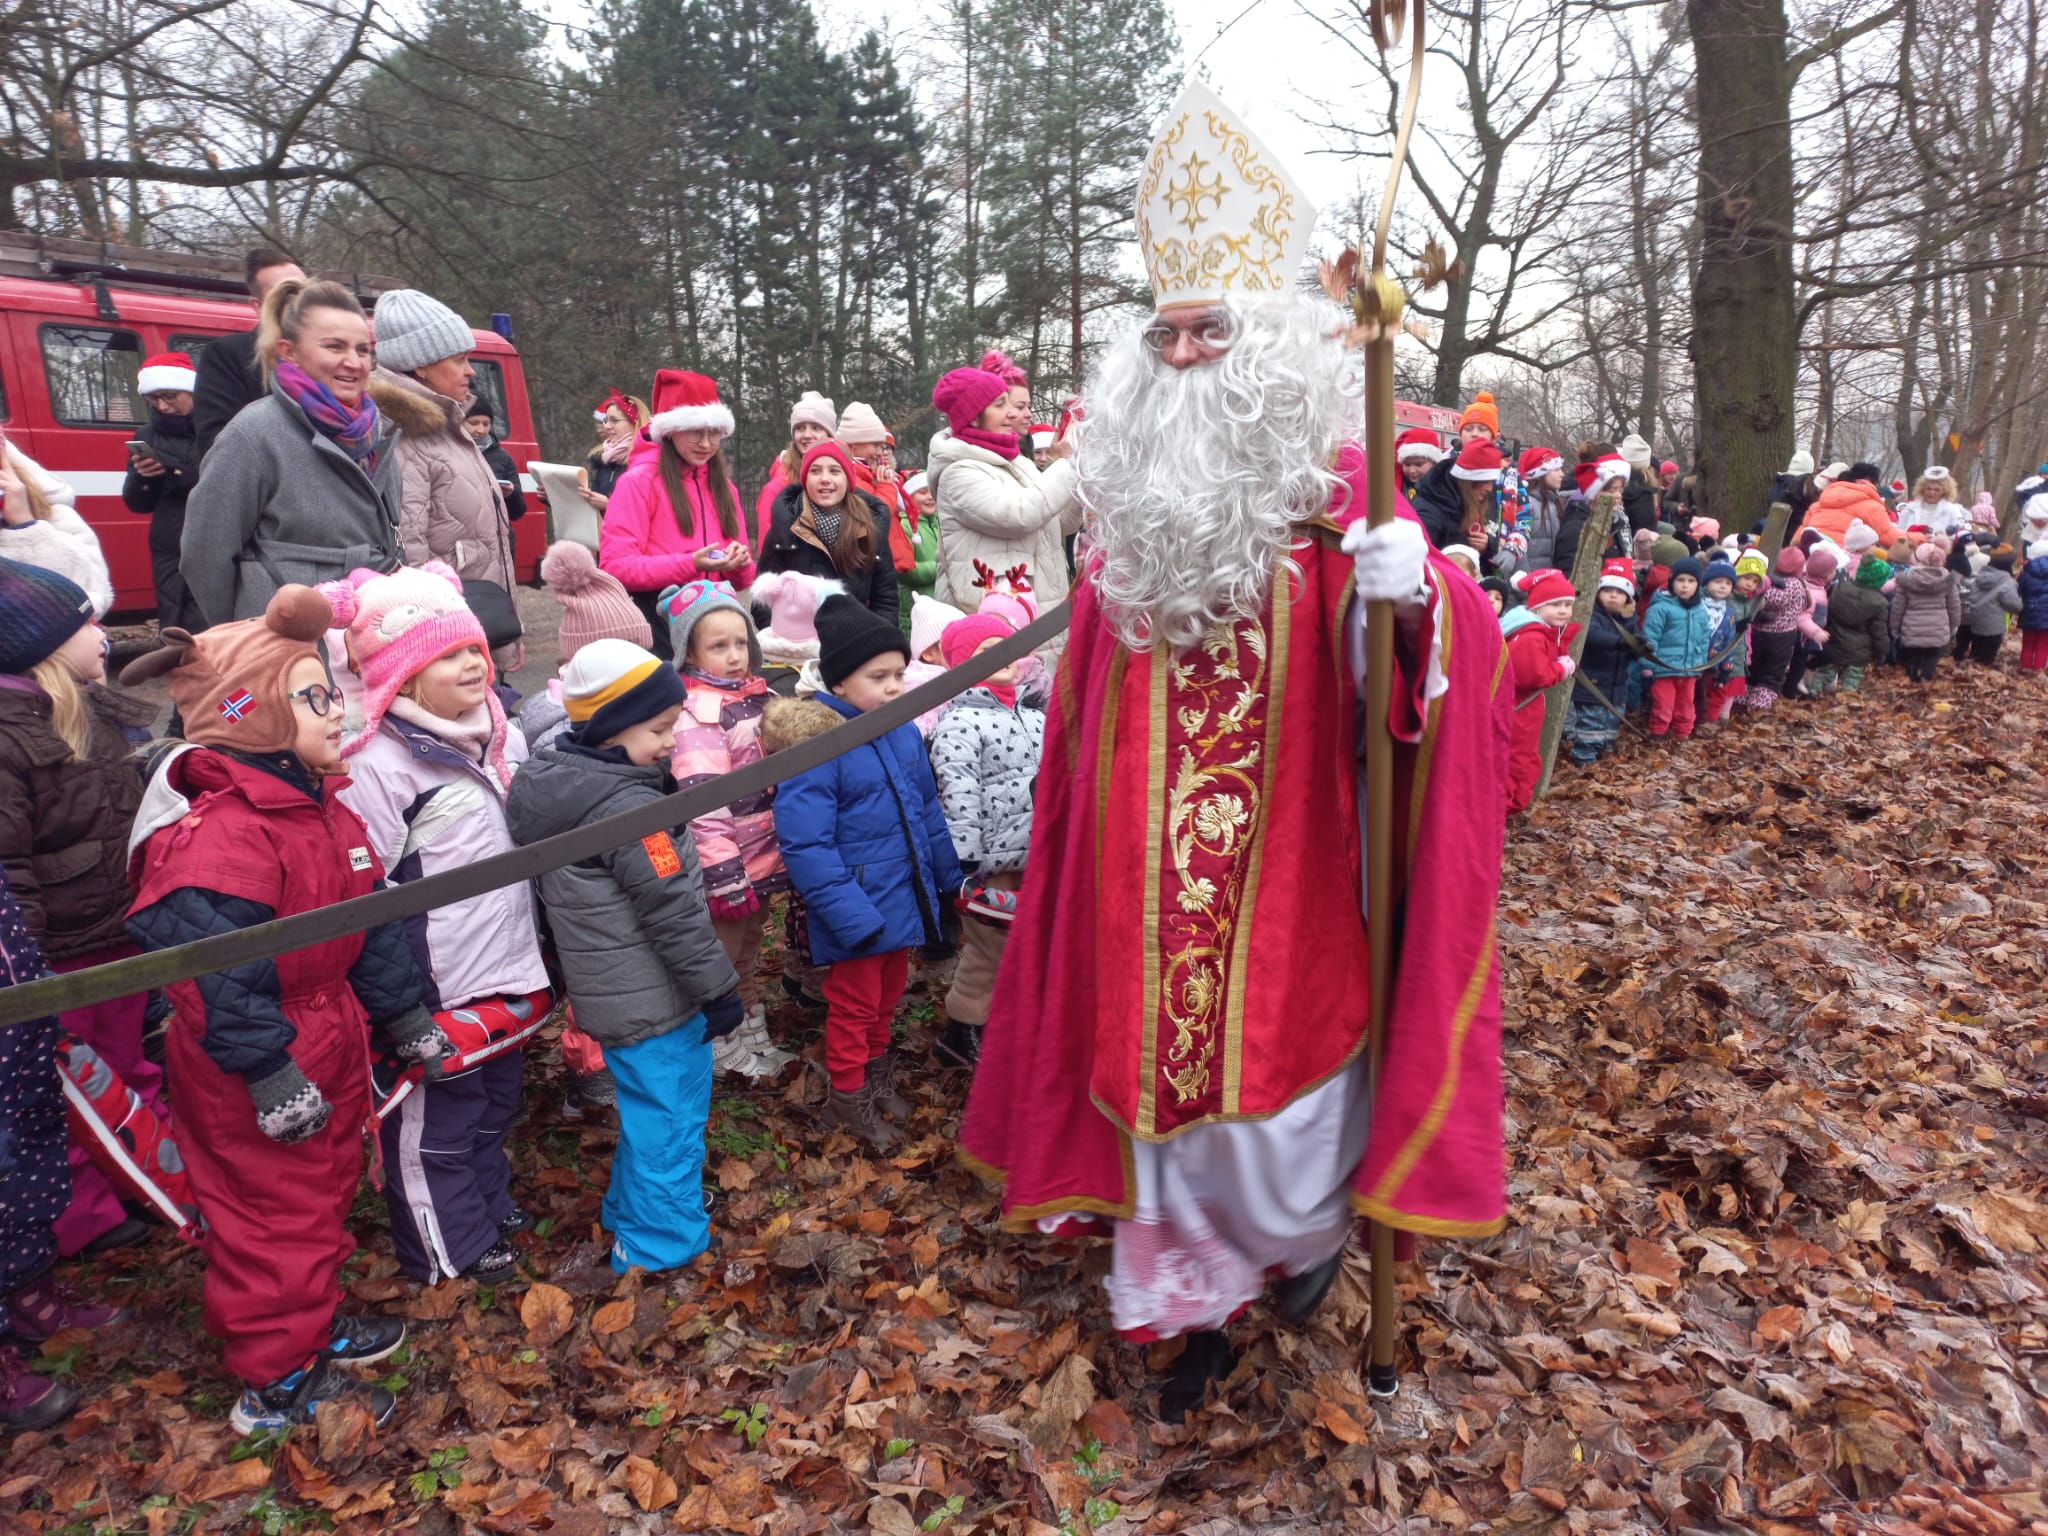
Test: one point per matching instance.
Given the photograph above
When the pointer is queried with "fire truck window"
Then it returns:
(91, 373)
(191, 346)
(490, 383)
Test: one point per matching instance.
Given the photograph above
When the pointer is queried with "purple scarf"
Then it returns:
(1003, 444)
(354, 430)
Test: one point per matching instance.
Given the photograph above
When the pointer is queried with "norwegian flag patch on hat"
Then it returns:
(238, 705)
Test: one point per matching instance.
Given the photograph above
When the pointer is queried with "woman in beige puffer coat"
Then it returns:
(453, 510)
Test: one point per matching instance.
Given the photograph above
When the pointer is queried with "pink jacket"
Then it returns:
(764, 504)
(720, 730)
(642, 544)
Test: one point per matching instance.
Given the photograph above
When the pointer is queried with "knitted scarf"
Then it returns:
(1002, 444)
(353, 429)
(615, 449)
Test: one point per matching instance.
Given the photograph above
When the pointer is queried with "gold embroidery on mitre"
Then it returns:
(1215, 809)
(1216, 214)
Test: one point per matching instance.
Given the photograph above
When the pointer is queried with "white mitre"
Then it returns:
(1218, 216)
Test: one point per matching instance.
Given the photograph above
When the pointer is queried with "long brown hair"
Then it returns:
(284, 311)
(853, 552)
(717, 477)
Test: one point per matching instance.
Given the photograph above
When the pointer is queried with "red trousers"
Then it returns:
(276, 1215)
(1721, 697)
(861, 996)
(1671, 706)
(2033, 649)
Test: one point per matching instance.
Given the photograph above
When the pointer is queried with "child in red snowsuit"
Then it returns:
(269, 1061)
(1539, 636)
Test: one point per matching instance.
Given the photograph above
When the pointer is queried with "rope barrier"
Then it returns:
(264, 941)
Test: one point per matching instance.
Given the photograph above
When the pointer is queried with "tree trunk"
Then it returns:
(1745, 339)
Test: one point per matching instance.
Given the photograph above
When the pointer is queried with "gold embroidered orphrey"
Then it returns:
(1259, 212)
(1217, 696)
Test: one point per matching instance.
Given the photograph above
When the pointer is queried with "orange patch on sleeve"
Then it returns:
(661, 853)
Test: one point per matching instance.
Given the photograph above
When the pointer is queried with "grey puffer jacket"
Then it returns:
(985, 757)
(631, 927)
(1989, 597)
(273, 485)
(1927, 608)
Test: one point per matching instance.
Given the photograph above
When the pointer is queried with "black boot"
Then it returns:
(1298, 1296)
(959, 1045)
(1207, 1357)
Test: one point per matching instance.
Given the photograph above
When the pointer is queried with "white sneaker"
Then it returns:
(732, 1057)
(753, 1031)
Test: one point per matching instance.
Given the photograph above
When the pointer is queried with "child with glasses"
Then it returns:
(269, 1060)
(429, 775)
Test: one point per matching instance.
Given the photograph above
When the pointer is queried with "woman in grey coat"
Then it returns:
(304, 484)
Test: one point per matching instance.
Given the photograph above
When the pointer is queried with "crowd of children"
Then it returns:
(301, 782)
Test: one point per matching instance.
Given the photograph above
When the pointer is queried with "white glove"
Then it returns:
(1389, 559)
(1568, 664)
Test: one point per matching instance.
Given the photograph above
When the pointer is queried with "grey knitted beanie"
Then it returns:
(414, 329)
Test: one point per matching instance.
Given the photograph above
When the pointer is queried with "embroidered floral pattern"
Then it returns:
(1217, 697)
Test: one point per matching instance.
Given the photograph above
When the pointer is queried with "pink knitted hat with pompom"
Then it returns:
(999, 364)
(400, 624)
(595, 604)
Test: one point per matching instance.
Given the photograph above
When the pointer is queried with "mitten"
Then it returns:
(288, 1108)
(1568, 664)
(732, 908)
(723, 1016)
(415, 1037)
(1389, 560)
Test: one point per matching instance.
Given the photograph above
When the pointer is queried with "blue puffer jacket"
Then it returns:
(1605, 661)
(2034, 593)
(864, 840)
(1679, 635)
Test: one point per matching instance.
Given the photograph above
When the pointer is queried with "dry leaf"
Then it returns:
(650, 1487)
(547, 1313)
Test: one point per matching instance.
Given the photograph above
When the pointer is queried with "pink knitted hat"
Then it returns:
(962, 395)
(963, 637)
(595, 605)
(400, 624)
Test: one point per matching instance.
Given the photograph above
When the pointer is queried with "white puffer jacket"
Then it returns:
(1004, 513)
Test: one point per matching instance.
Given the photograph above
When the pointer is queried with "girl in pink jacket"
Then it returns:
(675, 515)
(719, 730)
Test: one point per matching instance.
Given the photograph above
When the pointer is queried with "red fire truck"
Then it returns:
(76, 320)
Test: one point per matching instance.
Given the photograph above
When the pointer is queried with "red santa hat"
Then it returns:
(1042, 436)
(1520, 581)
(685, 402)
(1594, 475)
(1478, 460)
(1618, 574)
(1417, 443)
(1549, 586)
(165, 371)
(1861, 536)
(1898, 487)
(1537, 462)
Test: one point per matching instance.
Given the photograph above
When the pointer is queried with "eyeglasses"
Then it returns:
(318, 696)
(1208, 330)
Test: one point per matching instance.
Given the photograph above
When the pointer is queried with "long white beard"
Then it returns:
(1193, 477)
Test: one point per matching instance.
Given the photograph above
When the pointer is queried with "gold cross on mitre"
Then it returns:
(1218, 216)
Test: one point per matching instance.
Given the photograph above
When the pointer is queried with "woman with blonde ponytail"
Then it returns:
(69, 792)
(304, 485)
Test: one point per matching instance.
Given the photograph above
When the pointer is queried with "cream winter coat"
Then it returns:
(1003, 513)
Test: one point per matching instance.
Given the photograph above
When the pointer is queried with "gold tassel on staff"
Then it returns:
(1377, 301)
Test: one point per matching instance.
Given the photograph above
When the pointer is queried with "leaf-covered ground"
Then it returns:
(1776, 1098)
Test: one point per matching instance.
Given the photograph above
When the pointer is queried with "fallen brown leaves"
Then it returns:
(1776, 1100)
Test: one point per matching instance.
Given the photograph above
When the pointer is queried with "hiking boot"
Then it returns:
(856, 1112)
(361, 1339)
(41, 1307)
(29, 1401)
(958, 1046)
(1207, 1358)
(497, 1264)
(753, 1033)
(885, 1077)
(519, 1220)
(123, 1234)
(291, 1399)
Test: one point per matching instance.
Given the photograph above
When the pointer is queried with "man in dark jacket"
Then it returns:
(228, 376)
(160, 478)
(480, 424)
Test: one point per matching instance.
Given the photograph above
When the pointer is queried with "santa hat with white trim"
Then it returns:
(686, 402)
(164, 372)
(1619, 575)
(1042, 436)
(1478, 460)
(1418, 443)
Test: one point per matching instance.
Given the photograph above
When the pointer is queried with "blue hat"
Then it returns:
(1719, 568)
(39, 611)
(1685, 566)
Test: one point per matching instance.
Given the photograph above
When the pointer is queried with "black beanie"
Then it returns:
(849, 637)
(1863, 471)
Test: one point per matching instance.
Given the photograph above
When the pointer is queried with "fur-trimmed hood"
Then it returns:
(414, 409)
